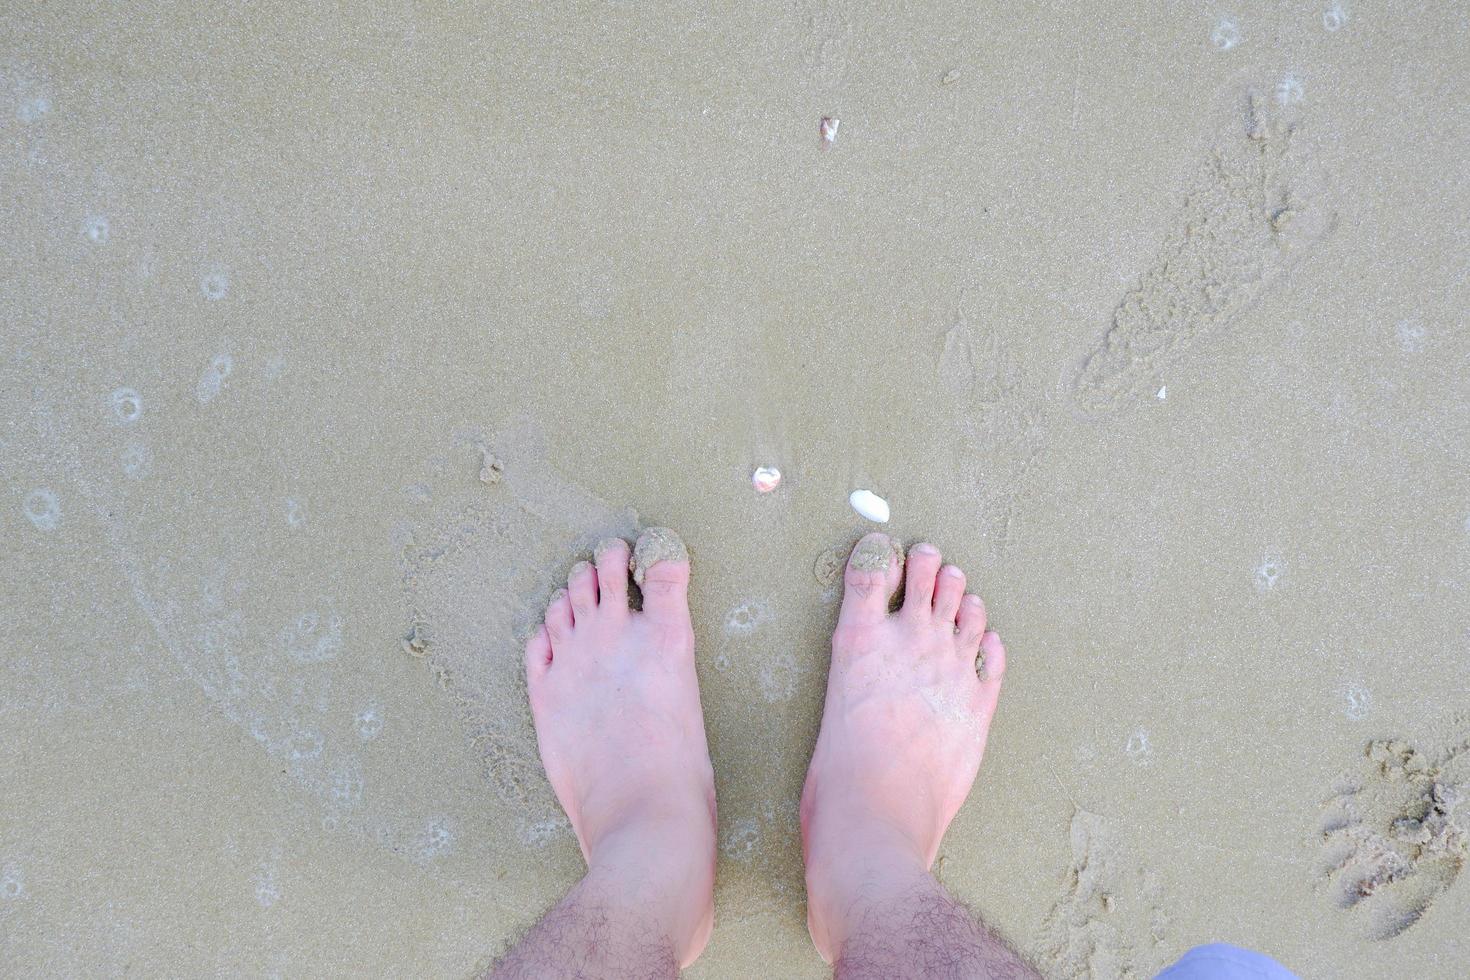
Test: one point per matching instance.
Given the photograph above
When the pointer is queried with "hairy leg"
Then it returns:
(618, 721)
(906, 925)
(909, 704)
(595, 931)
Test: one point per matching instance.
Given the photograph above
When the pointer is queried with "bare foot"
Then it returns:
(902, 733)
(621, 732)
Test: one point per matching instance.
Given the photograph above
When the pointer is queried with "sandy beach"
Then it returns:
(332, 336)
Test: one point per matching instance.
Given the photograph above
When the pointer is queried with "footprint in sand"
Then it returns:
(476, 579)
(1397, 835)
(831, 44)
(1000, 418)
(1258, 204)
(1110, 921)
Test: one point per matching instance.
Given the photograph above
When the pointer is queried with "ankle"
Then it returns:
(852, 872)
(660, 869)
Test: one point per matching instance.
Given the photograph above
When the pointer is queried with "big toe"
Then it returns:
(661, 570)
(873, 572)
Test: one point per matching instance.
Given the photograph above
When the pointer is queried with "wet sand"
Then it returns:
(332, 339)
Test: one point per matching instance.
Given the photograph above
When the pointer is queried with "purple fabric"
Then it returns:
(1219, 961)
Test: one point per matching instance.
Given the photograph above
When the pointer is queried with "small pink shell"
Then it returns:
(766, 479)
(829, 130)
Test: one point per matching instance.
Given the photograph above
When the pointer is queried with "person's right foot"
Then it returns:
(618, 721)
(903, 730)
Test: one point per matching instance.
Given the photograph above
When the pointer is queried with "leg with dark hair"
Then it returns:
(598, 930)
(904, 924)
(910, 696)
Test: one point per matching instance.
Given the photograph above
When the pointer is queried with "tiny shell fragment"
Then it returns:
(829, 130)
(766, 479)
(869, 505)
(950, 77)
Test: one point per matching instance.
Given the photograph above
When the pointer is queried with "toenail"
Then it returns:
(580, 567)
(654, 545)
(952, 571)
(556, 596)
(873, 553)
(926, 549)
(606, 545)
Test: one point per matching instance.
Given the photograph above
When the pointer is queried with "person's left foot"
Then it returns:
(618, 719)
(903, 730)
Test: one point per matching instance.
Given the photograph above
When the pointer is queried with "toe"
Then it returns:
(538, 655)
(582, 590)
(992, 661)
(559, 617)
(661, 568)
(971, 623)
(873, 571)
(948, 592)
(611, 557)
(918, 586)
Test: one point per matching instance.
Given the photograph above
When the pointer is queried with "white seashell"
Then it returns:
(870, 505)
(829, 130)
(766, 479)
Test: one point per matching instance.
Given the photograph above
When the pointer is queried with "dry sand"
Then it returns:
(333, 335)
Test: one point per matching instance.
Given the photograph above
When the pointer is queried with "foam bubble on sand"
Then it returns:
(12, 881)
(1138, 748)
(96, 230)
(748, 616)
(315, 636)
(1357, 701)
(741, 839)
(1411, 334)
(212, 381)
(267, 890)
(434, 840)
(346, 783)
(215, 286)
(135, 459)
(1269, 574)
(33, 108)
(1289, 91)
(127, 405)
(42, 509)
(1225, 35)
(778, 675)
(369, 722)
